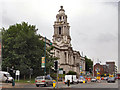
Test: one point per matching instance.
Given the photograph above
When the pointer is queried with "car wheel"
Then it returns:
(37, 85)
(6, 81)
(46, 85)
(51, 84)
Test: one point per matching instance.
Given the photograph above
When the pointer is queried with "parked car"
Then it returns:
(82, 79)
(102, 78)
(93, 79)
(76, 81)
(5, 77)
(105, 78)
(111, 79)
(43, 80)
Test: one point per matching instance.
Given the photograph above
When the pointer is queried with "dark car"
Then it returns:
(111, 79)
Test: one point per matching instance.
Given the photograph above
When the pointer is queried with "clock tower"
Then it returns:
(61, 35)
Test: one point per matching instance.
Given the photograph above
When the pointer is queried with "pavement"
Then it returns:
(20, 85)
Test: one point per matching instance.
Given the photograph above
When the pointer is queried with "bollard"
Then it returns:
(83, 81)
(13, 83)
(68, 83)
(54, 83)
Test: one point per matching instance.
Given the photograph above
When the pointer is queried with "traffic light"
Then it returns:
(55, 65)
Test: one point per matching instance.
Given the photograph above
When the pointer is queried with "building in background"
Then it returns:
(111, 67)
(98, 70)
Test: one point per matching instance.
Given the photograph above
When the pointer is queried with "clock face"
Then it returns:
(58, 39)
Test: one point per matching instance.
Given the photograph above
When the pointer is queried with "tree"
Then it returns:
(22, 49)
(71, 73)
(88, 64)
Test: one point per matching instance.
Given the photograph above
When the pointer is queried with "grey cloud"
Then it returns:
(106, 37)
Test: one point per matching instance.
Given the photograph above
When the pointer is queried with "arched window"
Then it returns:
(59, 30)
(60, 18)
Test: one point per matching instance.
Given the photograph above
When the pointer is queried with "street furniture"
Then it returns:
(83, 81)
(54, 83)
(13, 83)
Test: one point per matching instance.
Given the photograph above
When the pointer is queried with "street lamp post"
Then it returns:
(45, 58)
(7, 69)
(31, 71)
(93, 67)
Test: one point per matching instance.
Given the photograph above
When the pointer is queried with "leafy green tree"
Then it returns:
(23, 50)
(88, 64)
(71, 73)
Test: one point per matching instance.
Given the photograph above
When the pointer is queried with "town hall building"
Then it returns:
(69, 59)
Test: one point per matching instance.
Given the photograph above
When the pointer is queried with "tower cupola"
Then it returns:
(61, 10)
(61, 29)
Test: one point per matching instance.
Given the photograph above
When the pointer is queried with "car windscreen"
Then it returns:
(39, 77)
(111, 78)
(81, 78)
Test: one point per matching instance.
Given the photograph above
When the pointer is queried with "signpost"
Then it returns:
(81, 70)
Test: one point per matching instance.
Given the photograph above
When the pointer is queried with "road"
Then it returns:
(102, 84)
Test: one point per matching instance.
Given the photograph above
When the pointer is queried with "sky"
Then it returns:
(93, 23)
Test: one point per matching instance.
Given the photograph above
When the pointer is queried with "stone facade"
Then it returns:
(69, 59)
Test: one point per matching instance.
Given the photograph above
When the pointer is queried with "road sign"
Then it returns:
(43, 62)
(80, 68)
(17, 72)
(60, 71)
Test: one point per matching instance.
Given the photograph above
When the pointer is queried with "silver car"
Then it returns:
(43, 80)
(111, 79)
(93, 79)
(81, 79)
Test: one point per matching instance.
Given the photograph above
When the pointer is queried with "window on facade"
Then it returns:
(60, 18)
(74, 59)
(59, 30)
(57, 53)
(65, 57)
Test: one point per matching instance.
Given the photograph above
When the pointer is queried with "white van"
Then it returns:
(5, 77)
(72, 78)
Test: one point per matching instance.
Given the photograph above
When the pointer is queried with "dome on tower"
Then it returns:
(61, 10)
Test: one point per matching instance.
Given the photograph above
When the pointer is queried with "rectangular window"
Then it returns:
(59, 30)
